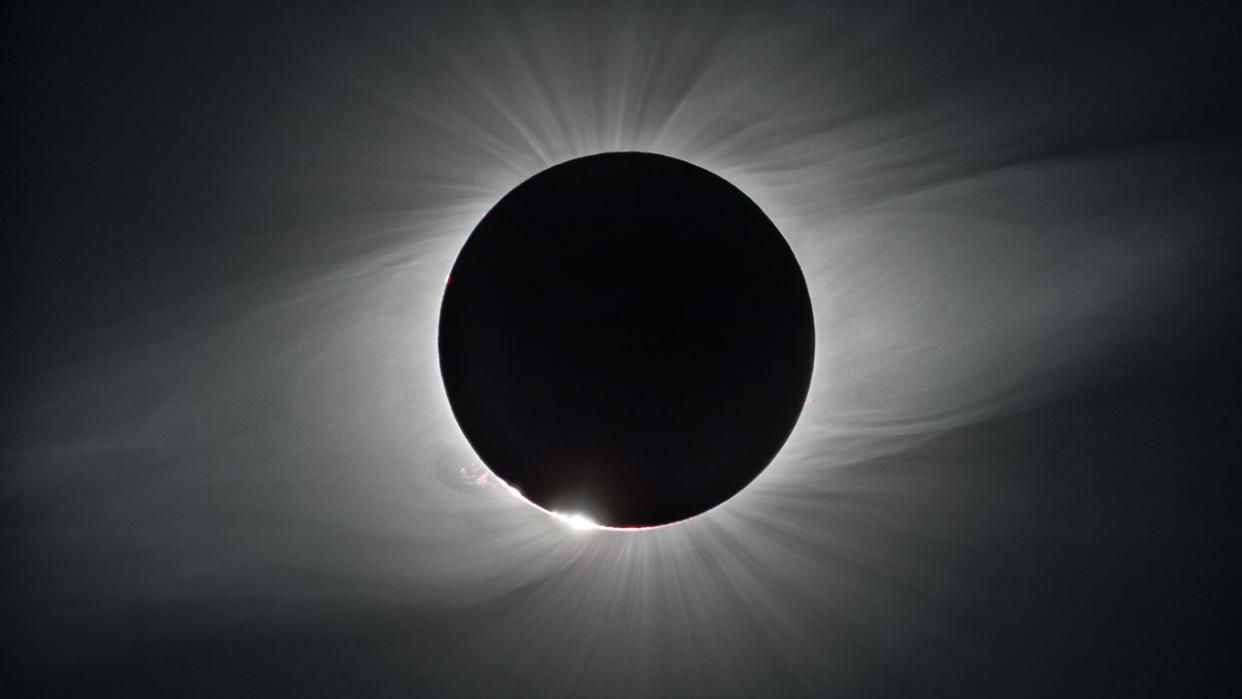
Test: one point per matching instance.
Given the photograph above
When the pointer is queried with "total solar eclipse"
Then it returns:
(626, 336)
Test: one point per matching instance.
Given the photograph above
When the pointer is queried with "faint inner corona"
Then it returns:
(626, 339)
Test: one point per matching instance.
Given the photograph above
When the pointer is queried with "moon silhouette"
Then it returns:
(626, 337)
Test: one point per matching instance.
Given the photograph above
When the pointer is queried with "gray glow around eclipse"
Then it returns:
(983, 235)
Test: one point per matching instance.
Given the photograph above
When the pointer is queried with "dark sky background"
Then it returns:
(228, 466)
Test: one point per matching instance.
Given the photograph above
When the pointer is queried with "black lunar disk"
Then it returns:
(626, 336)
